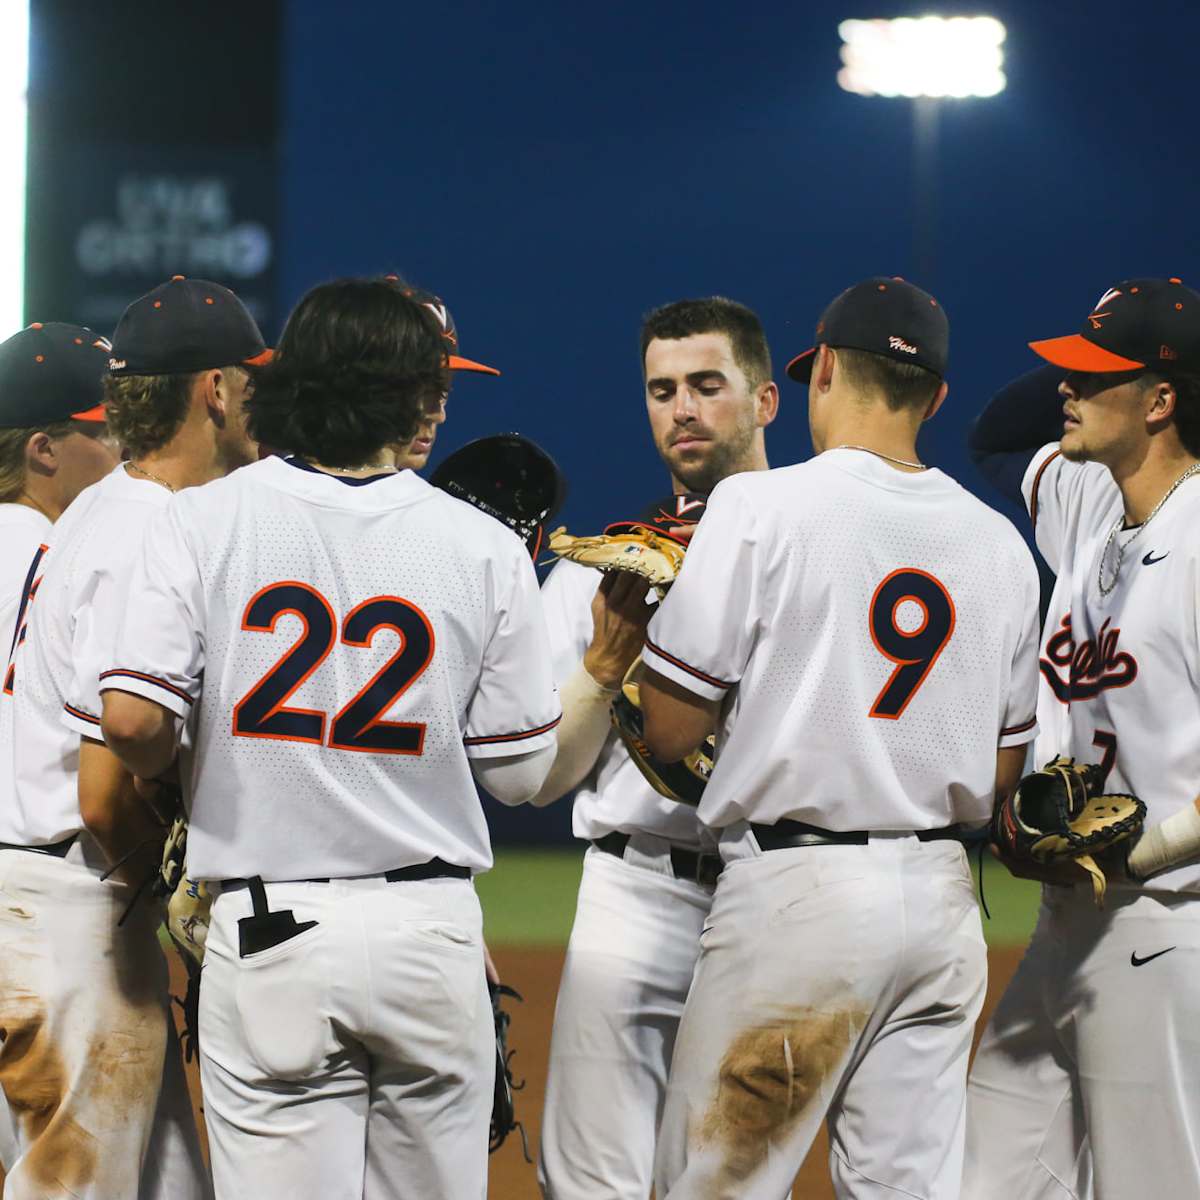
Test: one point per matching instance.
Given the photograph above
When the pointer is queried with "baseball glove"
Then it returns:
(684, 780)
(640, 551)
(1062, 813)
(504, 1119)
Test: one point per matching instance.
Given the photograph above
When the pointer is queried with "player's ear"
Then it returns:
(215, 386)
(767, 404)
(41, 456)
(1159, 399)
(822, 368)
(938, 397)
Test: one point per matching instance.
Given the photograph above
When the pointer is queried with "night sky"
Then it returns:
(555, 171)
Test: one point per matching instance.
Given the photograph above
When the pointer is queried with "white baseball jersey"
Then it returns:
(69, 628)
(23, 532)
(346, 648)
(614, 795)
(1120, 674)
(877, 632)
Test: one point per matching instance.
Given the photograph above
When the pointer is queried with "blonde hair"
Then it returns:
(12, 456)
(145, 412)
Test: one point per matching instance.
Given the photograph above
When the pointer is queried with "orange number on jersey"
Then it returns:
(914, 651)
(358, 724)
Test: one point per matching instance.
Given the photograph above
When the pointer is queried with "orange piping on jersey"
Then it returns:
(1022, 728)
(281, 703)
(78, 712)
(162, 683)
(678, 662)
(512, 737)
(1037, 482)
(376, 722)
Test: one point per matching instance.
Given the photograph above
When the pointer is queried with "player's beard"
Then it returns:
(721, 457)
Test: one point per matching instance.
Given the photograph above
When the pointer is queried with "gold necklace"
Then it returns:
(903, 462)
(1112, 533)
(150, 475)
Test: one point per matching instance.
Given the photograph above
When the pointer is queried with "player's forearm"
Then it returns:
(119, 820)
(582, 733)
(139, 732)
(676, 721)
(1168, 844)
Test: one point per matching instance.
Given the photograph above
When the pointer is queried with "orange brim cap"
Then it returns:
(91, 414)
(261, 359)
(465, 364)
(800, 368)
(1076, 353)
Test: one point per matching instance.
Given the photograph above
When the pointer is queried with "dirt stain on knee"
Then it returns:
(62, 1155)
(768, 1077)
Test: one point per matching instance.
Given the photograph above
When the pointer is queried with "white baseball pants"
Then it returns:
(354, 1061)
(628, 968)
(1087, 1080)
(838, 983)
(89, 1063)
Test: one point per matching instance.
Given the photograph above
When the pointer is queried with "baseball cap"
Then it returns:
(886, 316)
(683, 508)
(449, 333)
(185, 325)
(52, 372)
(1138, 323)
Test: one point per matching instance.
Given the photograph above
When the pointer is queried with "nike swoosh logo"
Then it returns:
(1134, 961)
(1148, 559)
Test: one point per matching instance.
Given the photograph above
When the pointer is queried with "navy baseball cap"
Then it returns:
(886, 316)
(186, 325)
(52, 372)
(682, 508)
(1137, 324)
(454, 360)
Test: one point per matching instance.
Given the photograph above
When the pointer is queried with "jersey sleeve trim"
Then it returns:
(1037, 481)
(522, 735)
(123, 673)
(695, 672)
(80, 715)
(1018, 735)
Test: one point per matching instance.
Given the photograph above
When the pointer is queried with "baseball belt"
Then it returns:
(685, 864)
(786, 834)
(57, 849)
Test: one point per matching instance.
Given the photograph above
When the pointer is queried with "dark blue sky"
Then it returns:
(555, 171)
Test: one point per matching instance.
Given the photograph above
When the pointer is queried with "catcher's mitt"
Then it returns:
(504, 1119)
(1062, 813)
(684, 780)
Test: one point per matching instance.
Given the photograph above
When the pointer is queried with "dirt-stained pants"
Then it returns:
(88, 1063)
(835, 982)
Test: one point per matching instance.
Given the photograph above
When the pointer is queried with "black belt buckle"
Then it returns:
(695, 866)
(264, 928)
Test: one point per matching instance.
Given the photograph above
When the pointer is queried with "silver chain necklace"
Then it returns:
(1121, 546)
(903, 462)
(151, 475)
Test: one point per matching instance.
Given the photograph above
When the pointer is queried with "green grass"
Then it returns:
(528, 899)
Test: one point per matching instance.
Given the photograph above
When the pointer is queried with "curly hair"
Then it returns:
(715, 314)
(145, 412)
(355, 369)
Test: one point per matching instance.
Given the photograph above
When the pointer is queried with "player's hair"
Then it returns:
(1187, 406)
(145, 412)
(902, 384)
(715, 314)
(12, 456)
(354, 370)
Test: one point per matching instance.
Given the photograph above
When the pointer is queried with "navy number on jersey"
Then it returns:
(358, 724)
(914, 651)
(28, 592)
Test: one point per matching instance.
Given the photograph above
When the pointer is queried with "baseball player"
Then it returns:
(53, 444)
(857, 628)
(349, 647)
(649, 871)
(89, 1064)
(1086, 1080)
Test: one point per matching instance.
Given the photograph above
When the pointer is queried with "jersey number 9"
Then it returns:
(914, 651)
(358, 724)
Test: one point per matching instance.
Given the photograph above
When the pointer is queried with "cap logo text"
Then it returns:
(116, 364)
(900, 344)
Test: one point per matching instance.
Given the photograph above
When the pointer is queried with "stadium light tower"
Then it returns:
(928, 60)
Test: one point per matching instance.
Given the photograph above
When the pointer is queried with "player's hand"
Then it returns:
(489, 967)
(620, 615)
(1058, 874)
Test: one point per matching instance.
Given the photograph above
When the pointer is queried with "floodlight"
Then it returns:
(923, 56)
(14, 79)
